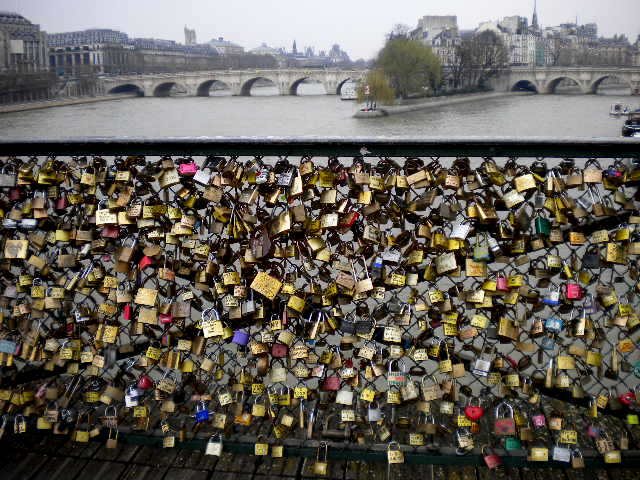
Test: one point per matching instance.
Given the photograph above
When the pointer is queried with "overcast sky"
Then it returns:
(358, 26)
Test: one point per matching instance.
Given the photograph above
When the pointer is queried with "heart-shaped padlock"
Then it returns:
(474, 412)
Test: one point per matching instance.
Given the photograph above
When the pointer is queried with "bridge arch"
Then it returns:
(342, 82)
(554, 82)
(293, 88)
(163, 89)
(593, 88)
(245, 90)
(204, 89)
(524, 85)
(128, 88)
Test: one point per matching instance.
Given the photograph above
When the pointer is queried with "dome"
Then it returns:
(12, 17)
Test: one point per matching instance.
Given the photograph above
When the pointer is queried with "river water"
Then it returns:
(530, 115)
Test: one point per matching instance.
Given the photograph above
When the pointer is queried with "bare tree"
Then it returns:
(479, 59)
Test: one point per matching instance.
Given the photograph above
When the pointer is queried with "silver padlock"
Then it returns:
(374, 414)
(561, 454)
(461, 230)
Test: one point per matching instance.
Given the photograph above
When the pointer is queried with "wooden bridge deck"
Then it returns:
(53, 458)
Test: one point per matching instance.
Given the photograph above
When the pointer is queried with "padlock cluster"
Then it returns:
(361, 300)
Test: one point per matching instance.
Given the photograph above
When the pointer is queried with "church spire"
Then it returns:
(534, 20)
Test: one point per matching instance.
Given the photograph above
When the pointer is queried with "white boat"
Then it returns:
(348, 91)
(618, 109)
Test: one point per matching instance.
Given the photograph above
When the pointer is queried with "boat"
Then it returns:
(618, 109)
(348, 91)
(631, 127)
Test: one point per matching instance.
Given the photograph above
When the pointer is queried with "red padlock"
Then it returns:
(574, 291)
(144, 262)
(166, 318)
(331, 384)
(492, 460)
(279, 350)
(627, 398)
(110, 231)
(126, 312)
(350, 218)
(474, 412)
(145, 382)
(15, 194)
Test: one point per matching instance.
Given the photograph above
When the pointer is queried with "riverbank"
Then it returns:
(23, 107)
(434, 103)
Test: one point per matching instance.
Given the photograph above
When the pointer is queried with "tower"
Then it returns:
(189, 36)
(534, 20)
(295, 49)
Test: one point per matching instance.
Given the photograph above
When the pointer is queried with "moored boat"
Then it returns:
(631, 127)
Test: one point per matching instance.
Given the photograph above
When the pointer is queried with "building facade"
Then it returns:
(22, 45)
(24, 74)
(225, 47)
(441, 34)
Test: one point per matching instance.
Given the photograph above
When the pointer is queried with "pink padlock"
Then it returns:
(126, 312)
(501, 283)
(539, 420)
(62, 203)
(188, 168)
(574, 291)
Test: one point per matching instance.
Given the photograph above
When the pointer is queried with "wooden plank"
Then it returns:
(156, 456)
(99, 470)
(547, 473)
(90, 450)
(185, 474)
(62, 468)
(527, 473)
(291, 467)
(122, 453)
(351, 471)
(233, 476)
(195, 459)
(144, 472)
(23, 467)
(575, 474)
(236, 463)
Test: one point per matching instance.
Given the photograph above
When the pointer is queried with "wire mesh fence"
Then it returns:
(440, 301)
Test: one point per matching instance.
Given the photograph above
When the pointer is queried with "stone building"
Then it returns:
(22, 45)
(441, 34)
(24, 74)
(225, 47)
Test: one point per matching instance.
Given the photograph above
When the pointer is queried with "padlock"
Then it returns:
(474, 412)
(491, 459)
(504, 425)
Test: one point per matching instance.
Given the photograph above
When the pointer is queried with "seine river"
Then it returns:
(531, 115)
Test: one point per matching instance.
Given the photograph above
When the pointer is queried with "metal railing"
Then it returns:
(551, 153)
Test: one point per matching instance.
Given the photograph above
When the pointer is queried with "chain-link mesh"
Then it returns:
(471, 279)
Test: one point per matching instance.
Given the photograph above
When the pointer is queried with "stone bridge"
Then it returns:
(546, 79)
(238, 81)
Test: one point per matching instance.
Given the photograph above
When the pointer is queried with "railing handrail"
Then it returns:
(555, 147)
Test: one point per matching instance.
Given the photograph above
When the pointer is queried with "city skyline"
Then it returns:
(358, 27)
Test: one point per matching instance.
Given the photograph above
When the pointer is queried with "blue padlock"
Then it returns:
(554, 324)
